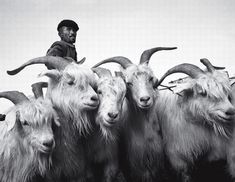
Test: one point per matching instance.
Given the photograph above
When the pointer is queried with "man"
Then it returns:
(67, 30)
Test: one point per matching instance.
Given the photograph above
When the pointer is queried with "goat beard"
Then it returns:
(108, 133)
(44, 163)
(224, 129)
(23, 165)
(72, 112)
(38, 162)
(212, 122)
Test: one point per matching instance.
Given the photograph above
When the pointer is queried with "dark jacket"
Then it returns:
(62, 49)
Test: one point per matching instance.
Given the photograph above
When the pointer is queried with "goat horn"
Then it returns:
(118, 73)
(123, 61)
(146, 55)
(209, 66)
(37, 89)
(14, 96)
(51, 61)
(82, 60)
(102, 72)
(192, 70)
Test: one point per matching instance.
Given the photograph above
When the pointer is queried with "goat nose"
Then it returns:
(144, 99)
(112, 115)
(48, 143)
(230, 111)
(94, 98)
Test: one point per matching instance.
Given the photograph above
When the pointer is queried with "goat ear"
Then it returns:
(199, 89)
(18, 123)
(10, 120)
(56, 121)
(119, 74)
(53, 74)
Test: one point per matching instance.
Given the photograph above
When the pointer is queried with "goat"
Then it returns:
(197, 121)
(102, 143)
(26, 138)
(231, 147)
(142, 150)
(70, 89)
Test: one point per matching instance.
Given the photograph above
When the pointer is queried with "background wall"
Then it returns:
(202, 28)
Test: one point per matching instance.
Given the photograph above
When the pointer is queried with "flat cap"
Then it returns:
(68, 23)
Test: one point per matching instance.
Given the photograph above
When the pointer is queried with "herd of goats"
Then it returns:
(95, 126)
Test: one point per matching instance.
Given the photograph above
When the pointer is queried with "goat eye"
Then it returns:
(99, 92)
(70, 82)
(129, 84)
(150, 79)
(203, 93)
(229, 98)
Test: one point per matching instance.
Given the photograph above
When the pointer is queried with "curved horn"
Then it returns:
(146, 55)
(14, 96)
(82, 60)
(37, 89)
(123, 61)
(72, 60)
(102, 72)
(189, 69)
(118, 73)
(209, 66)
(50, 61)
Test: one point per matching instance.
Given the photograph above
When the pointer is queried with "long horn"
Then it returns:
(102, 72)
(82, 60)
(123, 61)
(146, 55)
(189, 69)
(209, 66)
(118, 73)
(50, 61)
(37, 89)
(14, 96)
(72, 60)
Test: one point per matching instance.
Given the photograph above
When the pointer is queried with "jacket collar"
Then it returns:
(68, 44)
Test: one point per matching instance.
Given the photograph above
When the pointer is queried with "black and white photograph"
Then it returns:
(117, 91)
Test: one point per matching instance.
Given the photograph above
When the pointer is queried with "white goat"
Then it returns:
(26, 138)
(197, 121)
(231, 147)
(143, 157)
(70, 90)
(102, 143)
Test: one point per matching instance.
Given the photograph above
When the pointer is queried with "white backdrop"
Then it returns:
(201, 28)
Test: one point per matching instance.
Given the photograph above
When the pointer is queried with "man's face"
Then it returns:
(68, 34)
